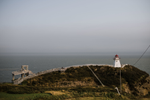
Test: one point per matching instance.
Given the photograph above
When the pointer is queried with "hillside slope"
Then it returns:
(134, 80)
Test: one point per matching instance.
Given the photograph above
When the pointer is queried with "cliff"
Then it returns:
(134, 80)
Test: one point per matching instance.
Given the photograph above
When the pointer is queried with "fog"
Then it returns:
(74, 27)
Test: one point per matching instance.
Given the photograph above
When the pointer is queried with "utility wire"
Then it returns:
(96, 76)
(141, 55)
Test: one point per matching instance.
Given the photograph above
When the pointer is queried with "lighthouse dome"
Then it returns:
(116, 55)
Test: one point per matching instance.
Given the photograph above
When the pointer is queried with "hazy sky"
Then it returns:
(67, 26)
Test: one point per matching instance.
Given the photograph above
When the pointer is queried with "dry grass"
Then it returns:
(55, 92)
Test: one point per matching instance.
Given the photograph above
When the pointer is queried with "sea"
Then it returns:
(38, 63)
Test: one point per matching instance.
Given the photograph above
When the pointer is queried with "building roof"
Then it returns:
(116, 55)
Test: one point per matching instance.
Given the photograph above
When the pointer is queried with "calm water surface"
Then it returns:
(41, 63)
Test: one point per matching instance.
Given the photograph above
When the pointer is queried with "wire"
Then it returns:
(96, 76)
(141, 55)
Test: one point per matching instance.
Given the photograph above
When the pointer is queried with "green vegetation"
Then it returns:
(77, 83)
(19, 92)
(6, 96)
(70, 96)
(109, 76)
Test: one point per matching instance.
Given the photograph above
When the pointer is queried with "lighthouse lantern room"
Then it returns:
(117, 61)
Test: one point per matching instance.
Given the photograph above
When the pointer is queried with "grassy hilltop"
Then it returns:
(82, 76)
(80, 82)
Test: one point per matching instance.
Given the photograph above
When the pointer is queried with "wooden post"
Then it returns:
(26, 67)
(120, 82)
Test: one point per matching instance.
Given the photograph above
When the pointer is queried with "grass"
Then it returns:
(45, 87)
(7, 96)
(83, 76)
(72, 96)
(91, 98)
(69, 93)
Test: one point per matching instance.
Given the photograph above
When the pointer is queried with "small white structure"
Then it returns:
(117, 61)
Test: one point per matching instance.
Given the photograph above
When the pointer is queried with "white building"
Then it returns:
(117, 61)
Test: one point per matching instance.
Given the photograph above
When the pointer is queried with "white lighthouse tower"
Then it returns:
(117, 61)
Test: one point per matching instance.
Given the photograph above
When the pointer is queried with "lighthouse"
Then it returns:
(117, 61)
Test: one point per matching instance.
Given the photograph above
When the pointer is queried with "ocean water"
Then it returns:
(41, 63)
